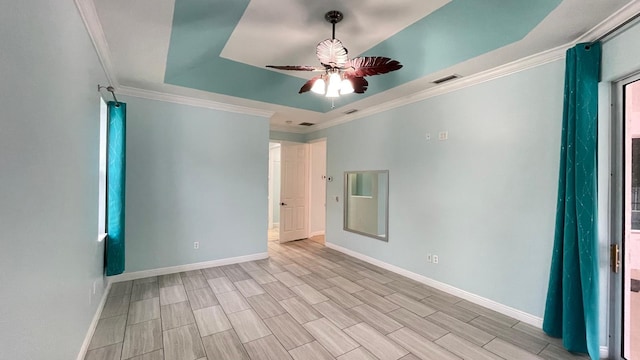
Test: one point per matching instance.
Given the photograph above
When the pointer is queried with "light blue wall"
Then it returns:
(621, 55)
(483, 201)
(193, 174)
(49, 136)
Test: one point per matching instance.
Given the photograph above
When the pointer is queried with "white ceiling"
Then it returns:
(133, 39)
(295, 31)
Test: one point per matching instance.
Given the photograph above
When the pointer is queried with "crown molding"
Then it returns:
(461, 83)
(91, 20)
(191, 101)
(89, 15)
(617, 18)
(623, 14)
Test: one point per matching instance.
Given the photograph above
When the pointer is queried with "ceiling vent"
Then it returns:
(446, 78)
(348, 112)
(306, 124)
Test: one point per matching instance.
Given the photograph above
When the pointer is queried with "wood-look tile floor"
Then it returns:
(305, 302)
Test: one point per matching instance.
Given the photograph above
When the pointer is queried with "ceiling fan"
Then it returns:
(340, 75)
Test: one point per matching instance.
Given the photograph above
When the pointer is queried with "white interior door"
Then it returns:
(294, 203)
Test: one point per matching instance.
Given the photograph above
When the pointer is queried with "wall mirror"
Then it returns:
(366, 209)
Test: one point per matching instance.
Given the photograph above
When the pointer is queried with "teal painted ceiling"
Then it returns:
(458, 31)
(215, 51)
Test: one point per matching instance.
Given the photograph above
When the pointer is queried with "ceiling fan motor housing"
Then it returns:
(333, 16)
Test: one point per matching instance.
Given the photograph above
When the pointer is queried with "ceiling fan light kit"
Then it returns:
(340, 75)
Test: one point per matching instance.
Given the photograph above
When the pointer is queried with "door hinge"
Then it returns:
(615, 258)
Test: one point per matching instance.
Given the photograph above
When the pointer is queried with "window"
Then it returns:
(102, 174)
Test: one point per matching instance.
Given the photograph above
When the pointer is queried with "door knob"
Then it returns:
(283, 204)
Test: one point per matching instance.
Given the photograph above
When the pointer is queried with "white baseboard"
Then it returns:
(490, 304)
(316, 233)
(188, 267)
(604, 352)
(94, 323)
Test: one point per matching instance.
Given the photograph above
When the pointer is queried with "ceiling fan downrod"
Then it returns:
(334, 17)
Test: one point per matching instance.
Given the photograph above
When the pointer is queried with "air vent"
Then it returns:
(350, 111)
(446, 78)
(306, 124)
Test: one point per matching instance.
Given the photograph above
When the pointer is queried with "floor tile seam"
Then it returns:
(544, 348)
(316, 340)
(190, 309)
(161, 340)
(112, 295)
(489, 350)
(195, 322)
(516, 331)
(244, 345)
(102, 347)
(148, 352)
(428, 340)
(343, 331)
(384, 335)
(125, 295)
(237, 337)
(446, 327)
(537, 338)
(510, 343)
(275, 336)
(116, 315)
(440, 337)
(188, 275)
(504, 338)
(466, 322)
(167, 285)
(223, 292)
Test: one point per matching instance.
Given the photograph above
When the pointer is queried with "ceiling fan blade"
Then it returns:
(308, 85)
(297, 67)
(359, 84)
(332, 53)
(368, 66)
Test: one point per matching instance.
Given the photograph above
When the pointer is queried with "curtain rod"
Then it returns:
(111, 90)
(616, 28)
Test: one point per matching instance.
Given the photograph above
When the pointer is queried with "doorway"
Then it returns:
(631, 245)
(273, 233)
(317, 190)
(297, 191)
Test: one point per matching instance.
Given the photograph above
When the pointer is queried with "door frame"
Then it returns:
(270, 192)
(324, 139)
(617, 215)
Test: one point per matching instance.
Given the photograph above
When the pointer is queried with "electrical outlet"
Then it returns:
(443, 135)
(196, 245)
(427, 136)
(435, 259)
(429, 258)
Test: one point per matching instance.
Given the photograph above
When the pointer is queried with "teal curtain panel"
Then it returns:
(116, 136)
(572, 299)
